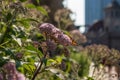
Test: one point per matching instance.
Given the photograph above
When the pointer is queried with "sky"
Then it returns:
(78, 9)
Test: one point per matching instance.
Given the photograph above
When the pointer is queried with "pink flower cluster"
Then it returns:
(64, 39)
(51, 45)
(56, 33)
(1, 76)
(49, 29)
(11, 73)
(9, 68)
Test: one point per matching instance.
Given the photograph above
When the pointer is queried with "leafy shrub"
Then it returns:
(29, 49)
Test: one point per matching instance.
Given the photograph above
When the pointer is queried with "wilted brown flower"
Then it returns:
(66, 52)
(63, 65)
(102, 54)
(19, 55)
(78, 37)
(36, 44)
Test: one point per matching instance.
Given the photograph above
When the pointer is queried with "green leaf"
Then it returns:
(26, 21)
(90, 78)
(29, 67)
(21, 69)
(30, 19)
(59, 59)
(30, 6)
(23, 0)
(18, 63)
(9, 16)
(45, 61)
(18, 40)
(68, 66)
(2, 61)
(42, 10)
(51, 62)
(30, 59)
(39, 8)
(8, 52)
(57, 72)
(38, 1)
(34, 50)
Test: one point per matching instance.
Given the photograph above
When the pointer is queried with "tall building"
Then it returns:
(94, 10)
(107, 31)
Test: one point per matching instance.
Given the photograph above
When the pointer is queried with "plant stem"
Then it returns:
(39, 68)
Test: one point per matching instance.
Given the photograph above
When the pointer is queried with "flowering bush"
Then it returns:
(101, 54)
(27, 50)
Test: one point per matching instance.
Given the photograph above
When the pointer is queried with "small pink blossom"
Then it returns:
(9, 68)
(17, 76)
(11, 77)
(56, 31)
(20, 76)
(11, 72)
(64, 39)
(1, 76)
(49, 29)
(46, 27)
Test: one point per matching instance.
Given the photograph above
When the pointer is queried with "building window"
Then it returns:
(117, 14)
(108, 15)
(106, 29)
(117, 28)
(112, 14)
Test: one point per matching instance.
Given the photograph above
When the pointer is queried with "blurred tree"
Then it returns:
(55, 9)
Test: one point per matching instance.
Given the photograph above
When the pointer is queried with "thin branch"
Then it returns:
(39, 68)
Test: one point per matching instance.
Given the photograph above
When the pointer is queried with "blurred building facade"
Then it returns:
(94, 10)
(107, 31)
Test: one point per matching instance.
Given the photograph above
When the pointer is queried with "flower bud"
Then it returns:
(19, 55)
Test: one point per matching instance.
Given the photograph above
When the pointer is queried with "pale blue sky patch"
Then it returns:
(78, 9)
